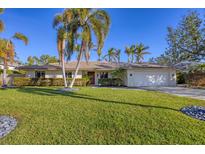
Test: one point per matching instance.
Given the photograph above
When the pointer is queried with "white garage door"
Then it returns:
(148, 78)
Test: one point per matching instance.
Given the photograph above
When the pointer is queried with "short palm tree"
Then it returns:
(128, 51)
(111, 56)
(140, 52)
(7, 52)
(118, 55)
(1, 22)
(30, 60)
(132, 50)
(83, 22)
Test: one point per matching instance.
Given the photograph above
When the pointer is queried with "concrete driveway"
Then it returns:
(180, 91)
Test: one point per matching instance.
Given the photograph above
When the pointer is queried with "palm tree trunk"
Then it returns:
(63, 70)
(4, 76)
(77, 67)
(132, 58)
(99, 57)
(128, 58)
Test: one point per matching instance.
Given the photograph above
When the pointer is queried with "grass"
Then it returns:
(99, 116)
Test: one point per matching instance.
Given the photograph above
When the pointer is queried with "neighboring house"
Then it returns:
(10, 66)
(143, 74)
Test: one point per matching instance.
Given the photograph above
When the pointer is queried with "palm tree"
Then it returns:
(7, 52)
(61, 52)
(1, 22)
(128, 52)
(30, 60)
(118, 55)
(111, 55)
(140, 52)
(132, 50)
(83, 22)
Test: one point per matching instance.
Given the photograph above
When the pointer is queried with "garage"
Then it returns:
(151, 77)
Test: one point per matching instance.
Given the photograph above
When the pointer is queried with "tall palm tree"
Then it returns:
(140, 52)
(7, 52)
(1, 22)
(61, 52)
(83, 22)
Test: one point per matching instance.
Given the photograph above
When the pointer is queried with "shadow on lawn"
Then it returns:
(52, 92)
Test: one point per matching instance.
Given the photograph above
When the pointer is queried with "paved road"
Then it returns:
(180, 91)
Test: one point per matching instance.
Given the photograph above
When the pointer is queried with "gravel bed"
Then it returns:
(7, 124)
(196, 112)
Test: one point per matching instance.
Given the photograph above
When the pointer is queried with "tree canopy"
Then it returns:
(186, 42)
(42, 60)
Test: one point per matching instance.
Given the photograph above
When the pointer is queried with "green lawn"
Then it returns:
(99, 116)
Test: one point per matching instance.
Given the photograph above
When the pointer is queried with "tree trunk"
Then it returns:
(128, 58)
(99, 57)
(63, 70)
(77, 67)
(132, 61)
(4, 76)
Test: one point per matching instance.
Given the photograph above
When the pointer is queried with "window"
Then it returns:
(68, 74)
(40, 74)
(104, 75)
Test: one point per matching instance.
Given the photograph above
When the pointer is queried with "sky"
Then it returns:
(128, 26)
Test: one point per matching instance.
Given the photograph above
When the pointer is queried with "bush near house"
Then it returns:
(23, 81)
(181, 77)
(196, 76)
(110, 82)
(196, 79)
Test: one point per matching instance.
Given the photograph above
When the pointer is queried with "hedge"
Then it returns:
(196, 79)
(23, 81)
(110, 82)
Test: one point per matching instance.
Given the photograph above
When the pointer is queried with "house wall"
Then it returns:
(52, 74)
(151, 77)
(140, 76)
(125, 79)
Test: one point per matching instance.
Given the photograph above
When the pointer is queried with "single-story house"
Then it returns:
(9, 66)
(143, 74)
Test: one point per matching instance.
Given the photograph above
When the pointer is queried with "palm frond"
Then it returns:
(58, 19)
(97, 28)
(22, 37)
(104, 18)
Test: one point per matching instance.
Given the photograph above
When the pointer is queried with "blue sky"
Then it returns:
(128, 26)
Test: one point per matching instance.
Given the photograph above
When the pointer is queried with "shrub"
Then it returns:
(196, 79)
(181, 78)
(23, 81)
(110, 82)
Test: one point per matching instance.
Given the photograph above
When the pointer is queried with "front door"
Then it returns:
(91, 76)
